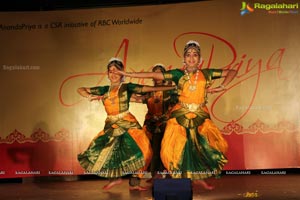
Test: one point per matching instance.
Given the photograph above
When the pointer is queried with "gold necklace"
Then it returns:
(192, 87)
(112, 98)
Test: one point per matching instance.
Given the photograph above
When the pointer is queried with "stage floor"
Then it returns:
(228, 187)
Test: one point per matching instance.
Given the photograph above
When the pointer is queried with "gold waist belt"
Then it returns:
(118, 116)
(192, 106)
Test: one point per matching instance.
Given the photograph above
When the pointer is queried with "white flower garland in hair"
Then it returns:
(193, 42)
(158, 64)
(115, 59)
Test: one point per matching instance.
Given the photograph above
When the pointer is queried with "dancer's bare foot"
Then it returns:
(156, 176)
(112, 184)
(138, 188)
(203, 184)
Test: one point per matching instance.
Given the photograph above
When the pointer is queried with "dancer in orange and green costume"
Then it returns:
(192, 146)
(122, 148)
(159, 104)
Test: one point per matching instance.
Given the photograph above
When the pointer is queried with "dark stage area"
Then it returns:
(230, 186)
(48, 5)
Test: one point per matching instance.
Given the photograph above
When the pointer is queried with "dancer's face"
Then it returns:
(157, 82)
(192, 58)
(114, 78)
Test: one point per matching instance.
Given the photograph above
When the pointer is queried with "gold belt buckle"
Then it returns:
(118, 116)
(192, 106)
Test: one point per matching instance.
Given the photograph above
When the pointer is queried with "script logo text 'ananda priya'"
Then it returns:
(270, 8)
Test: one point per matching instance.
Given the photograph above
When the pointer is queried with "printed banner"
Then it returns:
(46, 56)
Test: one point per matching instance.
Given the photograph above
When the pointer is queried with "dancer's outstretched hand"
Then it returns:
(216, 89)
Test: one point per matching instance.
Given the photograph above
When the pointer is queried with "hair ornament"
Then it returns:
(115, 59)
(160, 67)
(159, 64)
(192, 42)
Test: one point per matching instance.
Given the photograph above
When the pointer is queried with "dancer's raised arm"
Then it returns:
(154, 75)
(157, 88)
(86, 92)
(228, 75)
